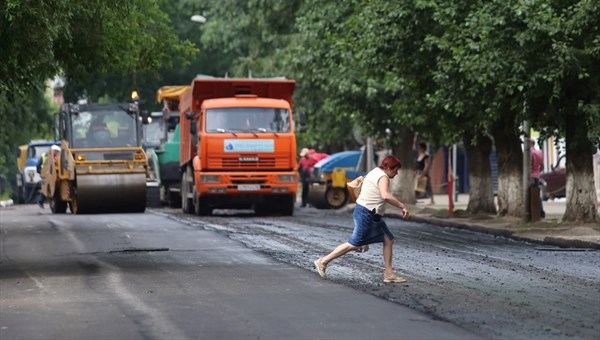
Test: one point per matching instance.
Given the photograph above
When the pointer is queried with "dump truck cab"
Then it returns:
(238, 146)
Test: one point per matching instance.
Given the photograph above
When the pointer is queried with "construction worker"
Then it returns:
(304, 167)
(55, 151)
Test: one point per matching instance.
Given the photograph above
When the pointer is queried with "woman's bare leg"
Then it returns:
(387, 256)
(337, 252)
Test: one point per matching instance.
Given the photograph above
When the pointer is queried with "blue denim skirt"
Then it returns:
(368, 227)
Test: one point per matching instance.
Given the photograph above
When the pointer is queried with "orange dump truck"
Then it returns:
(238, 146)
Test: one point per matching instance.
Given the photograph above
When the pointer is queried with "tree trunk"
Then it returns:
(481, 194)
(403, 185)
(581, 191)
(510, 165)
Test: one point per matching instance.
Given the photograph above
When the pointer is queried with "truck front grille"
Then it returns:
(236, 163)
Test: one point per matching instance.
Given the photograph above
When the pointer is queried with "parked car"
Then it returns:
(554, 183)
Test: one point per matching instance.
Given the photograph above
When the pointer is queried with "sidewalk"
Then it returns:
(548, 231)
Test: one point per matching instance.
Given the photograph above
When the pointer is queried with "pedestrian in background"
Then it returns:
(305, 165)
(423, 167)
(369, 227)
(317, 156)
(537, 166)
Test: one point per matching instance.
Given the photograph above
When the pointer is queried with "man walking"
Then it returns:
(305, 165)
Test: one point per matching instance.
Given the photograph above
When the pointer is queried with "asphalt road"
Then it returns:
(496, 287)
(161, 275)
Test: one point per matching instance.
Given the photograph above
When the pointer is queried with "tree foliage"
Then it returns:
(79, 39)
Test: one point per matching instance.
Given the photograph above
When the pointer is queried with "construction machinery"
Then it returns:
(330, 175)
(28, 179)
(161, 143)
(102, 167)
(238, 145)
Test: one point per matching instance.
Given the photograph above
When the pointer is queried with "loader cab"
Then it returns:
(153, 130)
(159, 128)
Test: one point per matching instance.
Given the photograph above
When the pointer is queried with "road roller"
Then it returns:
(101, 166)
(327, 189)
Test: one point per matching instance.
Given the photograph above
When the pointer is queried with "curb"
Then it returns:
(567, 243)
(548, 240)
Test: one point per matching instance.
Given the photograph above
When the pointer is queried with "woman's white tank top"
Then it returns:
(370, 197)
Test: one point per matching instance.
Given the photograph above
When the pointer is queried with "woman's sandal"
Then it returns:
(394, 279)
(321, 268)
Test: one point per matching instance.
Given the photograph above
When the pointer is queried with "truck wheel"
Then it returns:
(187, 205)
(287, 205)
(336, 197)
(201, 208)
(19, 194)
(153, 197)
(28, 195)
(174, 200)
(262, 209)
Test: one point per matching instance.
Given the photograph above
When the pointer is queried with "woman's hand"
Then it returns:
(405, 213)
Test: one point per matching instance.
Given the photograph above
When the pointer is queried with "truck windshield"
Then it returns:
(98, 129)
(38, 150)
(248, 119)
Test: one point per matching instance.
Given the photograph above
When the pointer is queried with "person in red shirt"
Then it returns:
(305, 165)
(317, 155)
(537, 165)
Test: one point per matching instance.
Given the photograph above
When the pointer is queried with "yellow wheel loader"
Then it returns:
(101, 166)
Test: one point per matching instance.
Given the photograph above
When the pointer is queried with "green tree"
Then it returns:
(484, 64)
(129, 43)
(504, 62)
(80, 39)
(565, 98)
(461, 101)
(317, 59)
(372, 65)
(238, 39)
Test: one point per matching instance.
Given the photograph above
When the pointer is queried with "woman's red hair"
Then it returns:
(390, 162)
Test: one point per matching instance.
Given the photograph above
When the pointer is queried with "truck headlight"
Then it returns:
(287, 178)
(209, 178)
